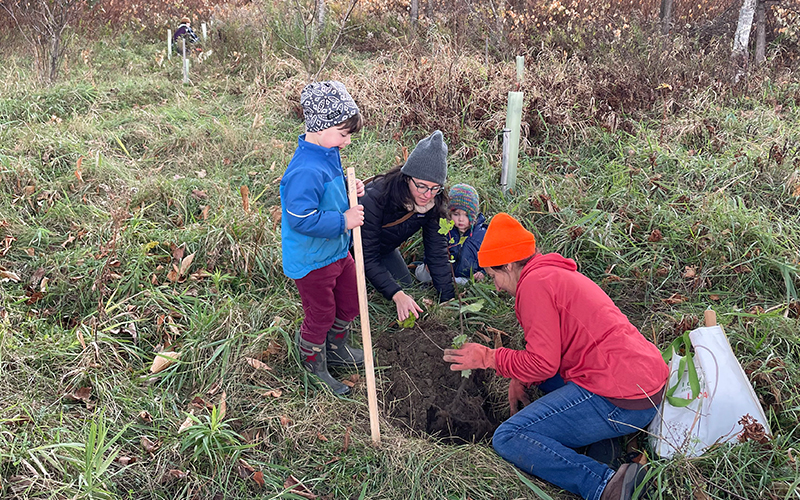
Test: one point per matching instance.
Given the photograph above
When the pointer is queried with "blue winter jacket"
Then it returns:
(313, 202)
(466, 253)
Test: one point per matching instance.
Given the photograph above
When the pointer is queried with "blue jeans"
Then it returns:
(396, 265)
(540, 439)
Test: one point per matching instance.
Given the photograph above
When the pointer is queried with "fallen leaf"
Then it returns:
(200, 403)
(272, 348)
(204, 212)
(69, 240)
(201, 173)
(148, 445)
(297, 488)
(163, 360)
(244, 469)
(145, 416)
(177, 252)
(352, 380)
(214, 388)
(8, 275)
(258, 365)
(186, 423)
(30, 251)
(655, 236)
(126, 460)
(83, 394)
(223, 405)
(347, 438)
(79, 334)
(675, 298)
(285, 422)
(321, 437)
(258, 477)
(275, 214)
(713, 297)
(245, 198)
(199, 194)
(176, 474)
(185, 263)
(690, 271)
(275, 393)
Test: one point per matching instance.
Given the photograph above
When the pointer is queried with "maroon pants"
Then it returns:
(328, 293)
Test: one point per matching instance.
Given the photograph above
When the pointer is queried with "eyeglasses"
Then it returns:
(422, 188)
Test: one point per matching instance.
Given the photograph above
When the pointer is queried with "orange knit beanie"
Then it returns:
(506, 241)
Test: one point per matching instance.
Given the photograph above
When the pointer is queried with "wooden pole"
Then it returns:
(169, 45)
(709, 317)
(366, 337)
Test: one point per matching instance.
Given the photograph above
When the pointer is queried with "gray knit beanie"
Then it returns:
(326, 104)
(428, 161)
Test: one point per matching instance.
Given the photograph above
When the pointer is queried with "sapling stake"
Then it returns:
(361, 280)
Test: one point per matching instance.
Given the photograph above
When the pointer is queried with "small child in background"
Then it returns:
(186, 32)
(464, 240)
(315, 231)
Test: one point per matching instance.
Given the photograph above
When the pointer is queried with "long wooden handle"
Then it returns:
(366, 337)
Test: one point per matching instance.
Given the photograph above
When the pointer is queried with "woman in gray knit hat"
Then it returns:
(397, 204)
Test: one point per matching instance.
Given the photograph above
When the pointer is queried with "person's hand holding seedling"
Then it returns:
(470, 356)
(406, 306)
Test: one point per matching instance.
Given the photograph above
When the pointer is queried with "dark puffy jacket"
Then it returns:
(465, 254)
(379, 241)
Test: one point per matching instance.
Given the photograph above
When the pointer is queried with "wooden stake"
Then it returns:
(366, 337)
(710, 317)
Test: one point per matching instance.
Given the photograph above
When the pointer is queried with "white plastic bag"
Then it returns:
(704, 407)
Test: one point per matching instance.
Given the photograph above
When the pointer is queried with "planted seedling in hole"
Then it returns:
(458, 341)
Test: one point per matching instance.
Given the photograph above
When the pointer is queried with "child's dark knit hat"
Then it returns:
(326, 104)
(428, 161)
(464, 197)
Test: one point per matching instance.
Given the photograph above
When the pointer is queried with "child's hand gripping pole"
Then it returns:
(369, 366)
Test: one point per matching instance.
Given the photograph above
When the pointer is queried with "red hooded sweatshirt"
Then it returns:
(573, 328)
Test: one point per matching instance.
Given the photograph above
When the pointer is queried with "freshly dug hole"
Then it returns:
(425, 395)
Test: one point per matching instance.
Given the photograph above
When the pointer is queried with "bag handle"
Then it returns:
(686, 363)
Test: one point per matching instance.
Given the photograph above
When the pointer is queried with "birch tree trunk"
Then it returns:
(761, 33)
(414, 12)
(741, 39)
(666, 16)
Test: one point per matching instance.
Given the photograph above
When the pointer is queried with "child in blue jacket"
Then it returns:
(315, 231)
(464, 240)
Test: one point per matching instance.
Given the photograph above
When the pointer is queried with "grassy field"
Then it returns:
(124, 233)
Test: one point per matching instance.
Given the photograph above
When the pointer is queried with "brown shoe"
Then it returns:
(624, 482)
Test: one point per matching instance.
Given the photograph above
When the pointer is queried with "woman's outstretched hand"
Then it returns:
(406, 306)
(470, 356)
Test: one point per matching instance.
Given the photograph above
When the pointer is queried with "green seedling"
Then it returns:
(409, 322)
(458, 342)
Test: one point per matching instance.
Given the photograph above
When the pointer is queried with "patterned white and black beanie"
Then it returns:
(326, 104)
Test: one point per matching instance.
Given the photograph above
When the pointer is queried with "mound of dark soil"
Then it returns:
(425, 395)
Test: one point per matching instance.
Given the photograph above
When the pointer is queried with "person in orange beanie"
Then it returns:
(601, 378)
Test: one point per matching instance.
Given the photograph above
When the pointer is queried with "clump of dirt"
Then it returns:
(425, 395)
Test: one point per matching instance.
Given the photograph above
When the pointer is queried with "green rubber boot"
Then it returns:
(339, 352)
(313, 358)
